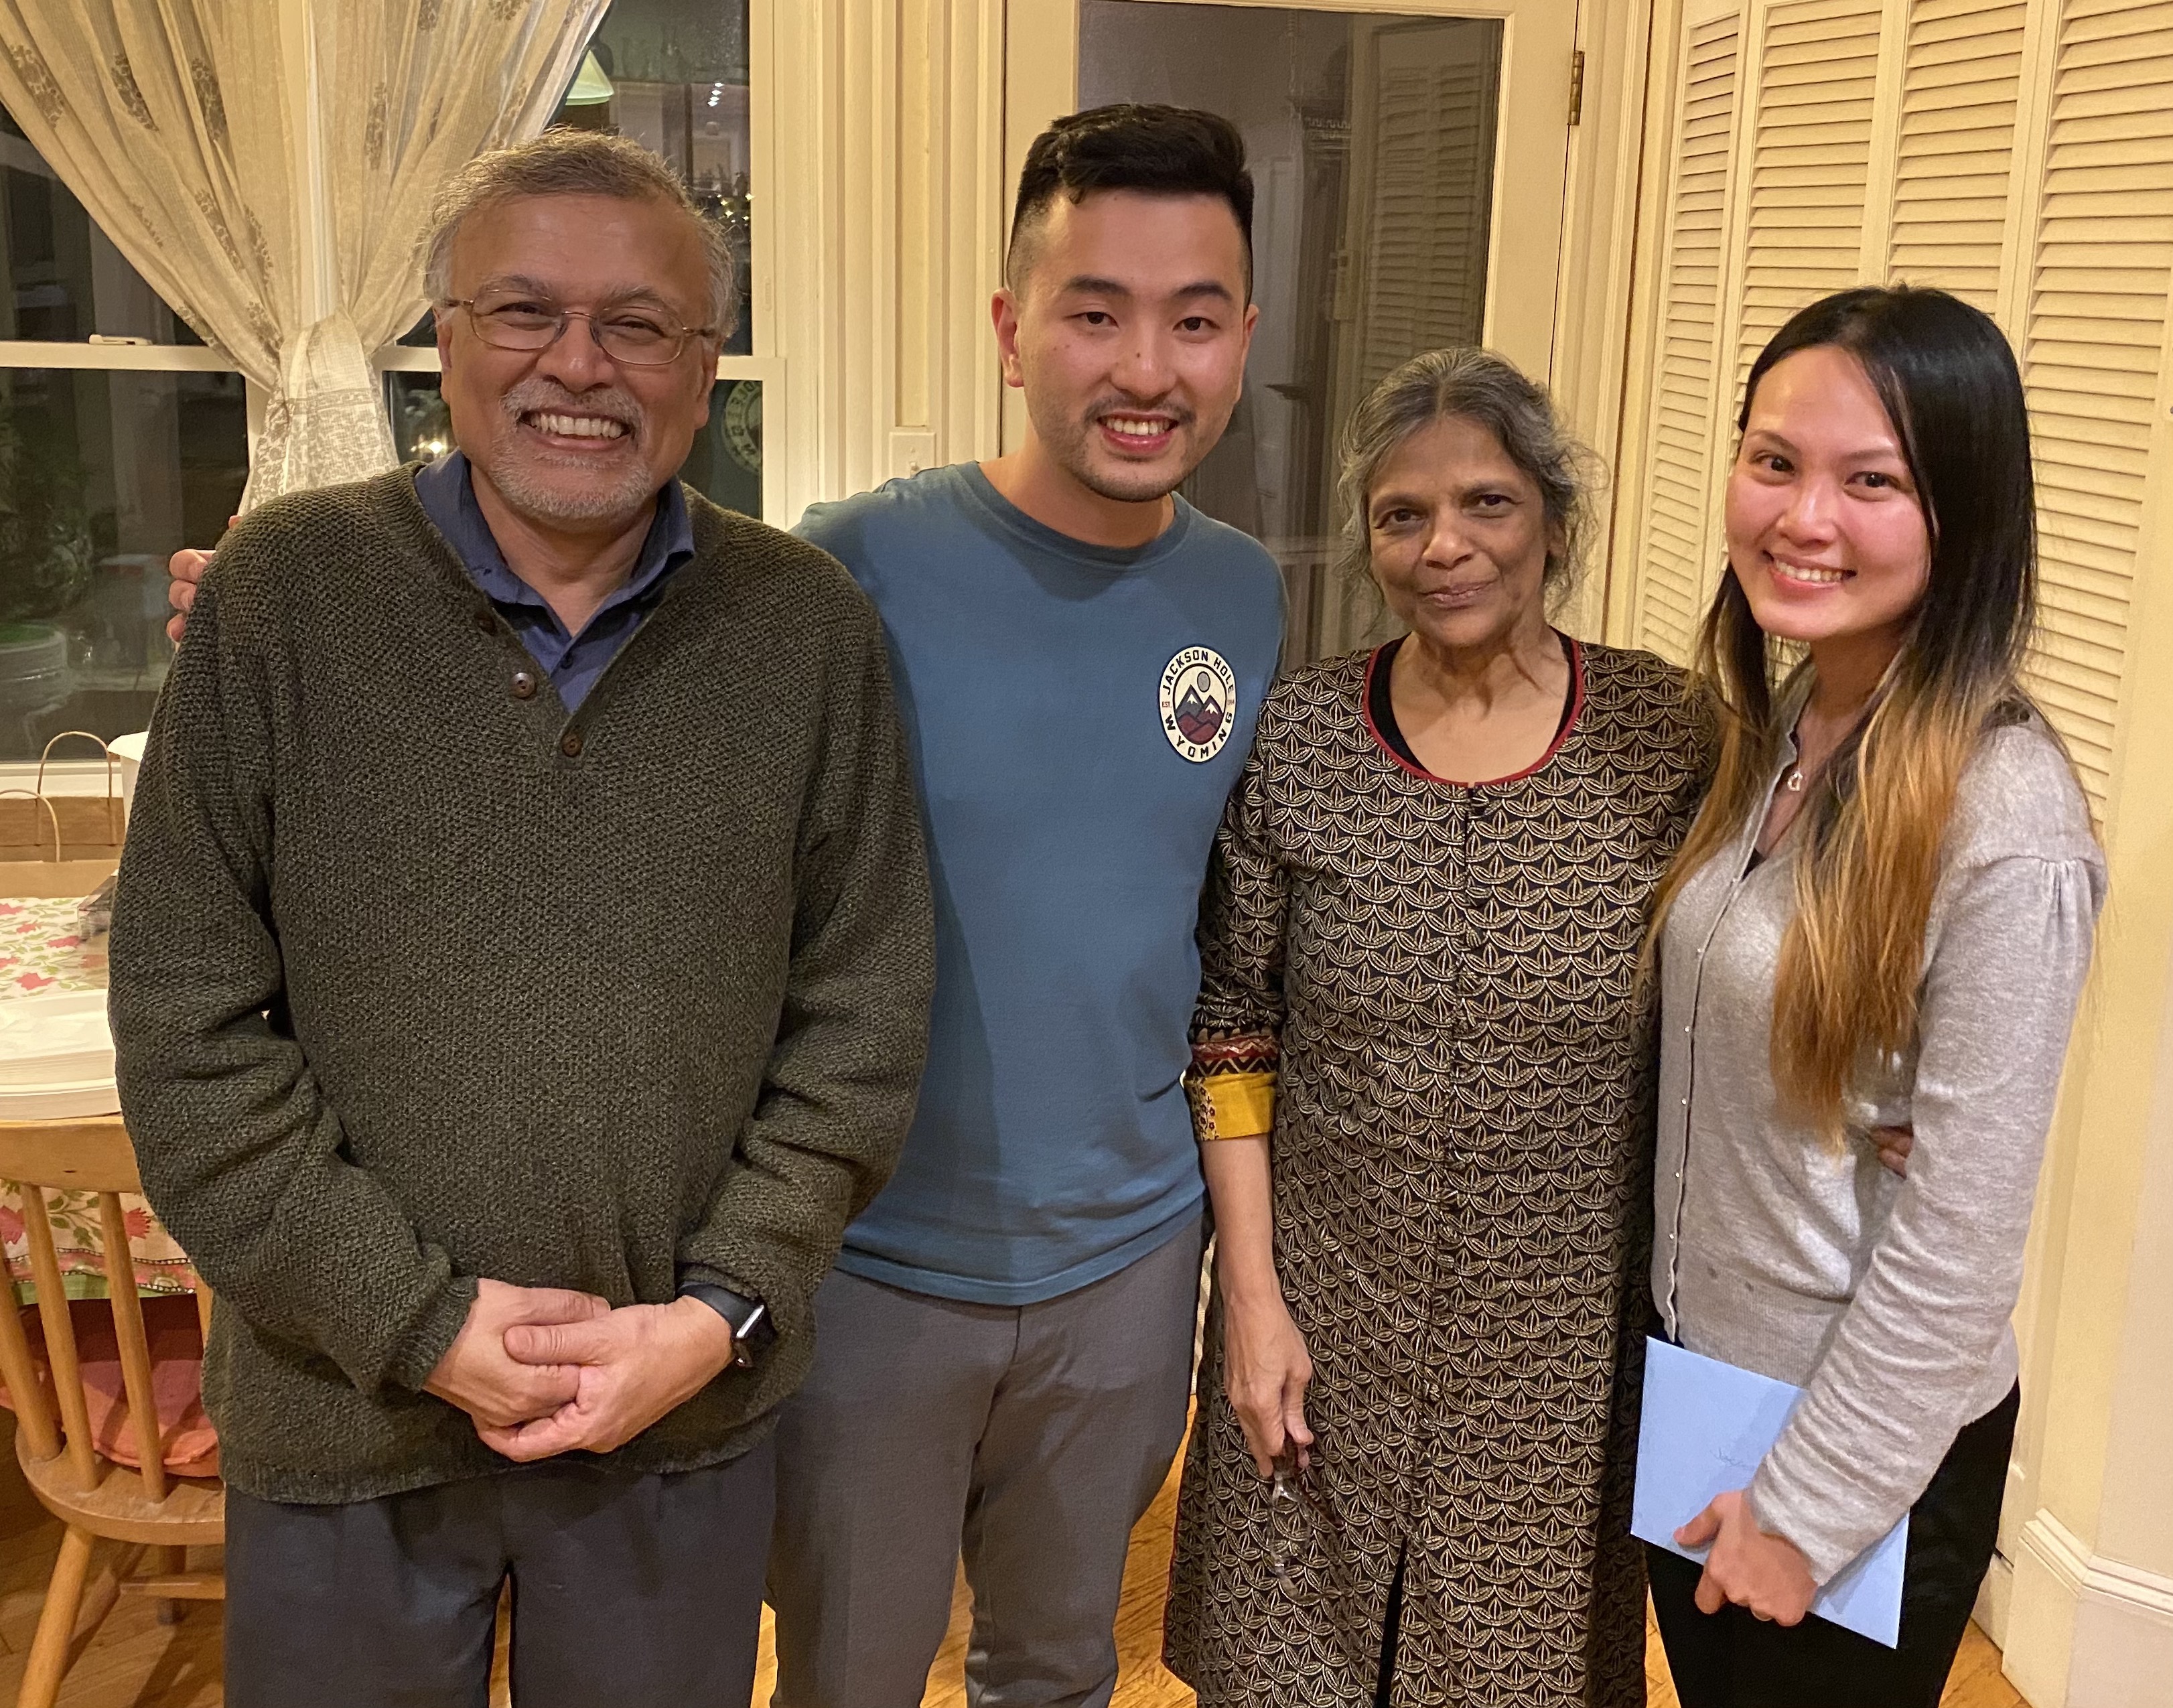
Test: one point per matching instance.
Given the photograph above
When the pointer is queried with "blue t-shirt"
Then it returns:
(1078, 715)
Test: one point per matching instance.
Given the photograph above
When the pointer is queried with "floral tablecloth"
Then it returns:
(41, 948)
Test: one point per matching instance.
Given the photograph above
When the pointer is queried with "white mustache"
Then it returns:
(537, 394)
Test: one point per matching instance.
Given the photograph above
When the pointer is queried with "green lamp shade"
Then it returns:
(591, 88)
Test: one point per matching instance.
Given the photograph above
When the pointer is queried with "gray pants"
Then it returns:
(1033, 1438)
(641, 1591)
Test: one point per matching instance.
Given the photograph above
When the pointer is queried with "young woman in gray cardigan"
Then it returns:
(1883, 915)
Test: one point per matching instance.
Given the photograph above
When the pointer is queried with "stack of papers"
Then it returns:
(56, 1057)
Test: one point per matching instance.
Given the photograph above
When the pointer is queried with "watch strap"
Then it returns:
(752, 1331)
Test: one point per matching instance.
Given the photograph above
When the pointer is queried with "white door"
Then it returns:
(1409, 159)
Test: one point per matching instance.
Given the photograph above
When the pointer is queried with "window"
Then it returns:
(121, 438)
(673, 75)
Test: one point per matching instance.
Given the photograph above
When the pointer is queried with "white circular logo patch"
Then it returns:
(1199, 703)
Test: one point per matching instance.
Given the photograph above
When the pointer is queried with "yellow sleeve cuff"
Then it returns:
(1233, 1106)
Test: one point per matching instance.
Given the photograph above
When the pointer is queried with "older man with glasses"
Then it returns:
(522, 953)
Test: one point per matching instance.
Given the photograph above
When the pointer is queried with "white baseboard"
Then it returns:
(2083, 1631)
(1995, 1595)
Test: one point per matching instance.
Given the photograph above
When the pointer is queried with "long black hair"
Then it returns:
(1850, 962)
(1954, 394)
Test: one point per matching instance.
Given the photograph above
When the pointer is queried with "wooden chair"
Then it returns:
(137, 1513)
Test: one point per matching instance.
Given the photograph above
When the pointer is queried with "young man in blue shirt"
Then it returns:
(1005, 1348)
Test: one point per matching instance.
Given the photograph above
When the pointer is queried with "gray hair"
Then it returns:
(567, 162)
(1472, 385)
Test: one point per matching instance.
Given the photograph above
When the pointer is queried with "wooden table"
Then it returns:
(41, 949)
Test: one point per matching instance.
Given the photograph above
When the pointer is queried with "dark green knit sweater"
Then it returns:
(416, 980)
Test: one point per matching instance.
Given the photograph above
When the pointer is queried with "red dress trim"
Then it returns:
(1554, 746)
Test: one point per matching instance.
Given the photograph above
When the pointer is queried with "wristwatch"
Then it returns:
(752, 1331)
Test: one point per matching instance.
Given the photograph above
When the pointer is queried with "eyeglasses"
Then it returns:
(1309, 1557)
(636, 338)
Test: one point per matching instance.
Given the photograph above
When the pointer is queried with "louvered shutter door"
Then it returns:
(1818, 80)
(2094, 338)
(1679, 551)
(1425, 278)
(1961, 78)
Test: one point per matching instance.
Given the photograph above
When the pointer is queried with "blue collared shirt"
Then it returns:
(572, 661)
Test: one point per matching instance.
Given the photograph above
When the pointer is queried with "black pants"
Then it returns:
(637, 1592)
(1732, 1659)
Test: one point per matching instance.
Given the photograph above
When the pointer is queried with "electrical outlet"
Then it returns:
(912, 449)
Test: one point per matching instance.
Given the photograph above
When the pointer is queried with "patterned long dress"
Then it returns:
(1462, 1160)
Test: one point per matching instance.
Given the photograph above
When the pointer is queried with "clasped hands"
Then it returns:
(542, 1371)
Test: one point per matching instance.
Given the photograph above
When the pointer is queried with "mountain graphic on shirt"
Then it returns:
(1199, 714)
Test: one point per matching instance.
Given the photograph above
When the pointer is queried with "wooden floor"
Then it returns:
(136, 1662)
(1142, 1682)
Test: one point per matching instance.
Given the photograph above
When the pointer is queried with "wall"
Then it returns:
(2021, 154)
(881, 124)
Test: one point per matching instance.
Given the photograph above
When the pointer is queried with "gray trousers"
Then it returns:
(641, 1591)
(1031, 1438)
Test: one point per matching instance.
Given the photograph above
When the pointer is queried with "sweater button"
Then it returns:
(523, 685)
(570, 744)
(487, 621)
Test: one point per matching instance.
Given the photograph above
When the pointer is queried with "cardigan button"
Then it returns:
(486, 620)
(570, 744)
(523, 685)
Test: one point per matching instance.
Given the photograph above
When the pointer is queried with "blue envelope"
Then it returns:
(1706, 1428)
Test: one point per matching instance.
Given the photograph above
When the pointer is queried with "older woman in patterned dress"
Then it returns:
(1423, 1083)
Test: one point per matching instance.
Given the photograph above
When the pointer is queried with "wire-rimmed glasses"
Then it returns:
(636, 335)
(1308, 1540)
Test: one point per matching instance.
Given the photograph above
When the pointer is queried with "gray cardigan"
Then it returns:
(1888, 1301)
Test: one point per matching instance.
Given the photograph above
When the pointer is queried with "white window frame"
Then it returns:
(76, 776)
(70, 774)
(770, 370)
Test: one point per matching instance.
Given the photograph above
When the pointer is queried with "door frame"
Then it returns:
(1585, 327)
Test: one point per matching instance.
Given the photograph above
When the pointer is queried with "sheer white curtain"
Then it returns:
(267, 164)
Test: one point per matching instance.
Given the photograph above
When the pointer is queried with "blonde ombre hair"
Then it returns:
(1851, 960)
